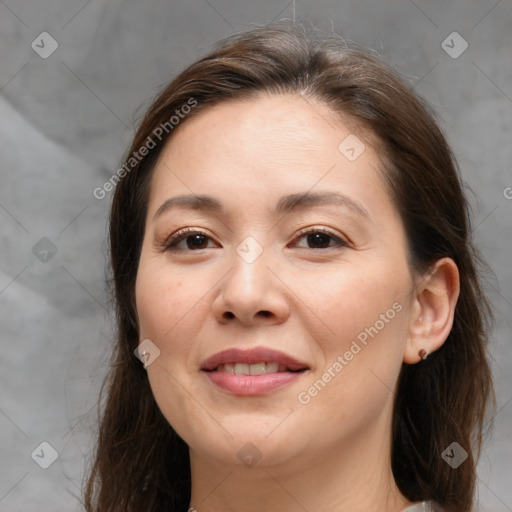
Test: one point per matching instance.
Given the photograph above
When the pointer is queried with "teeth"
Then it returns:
(242, 369)
(251, 369)
(258, 369)
(273, 368)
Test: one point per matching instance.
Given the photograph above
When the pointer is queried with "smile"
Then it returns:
(252, 372)
(252, 369)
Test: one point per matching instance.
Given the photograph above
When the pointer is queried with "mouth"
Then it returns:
(254, 369)
(257, 371)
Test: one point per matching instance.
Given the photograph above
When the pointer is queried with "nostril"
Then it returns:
(230, 315)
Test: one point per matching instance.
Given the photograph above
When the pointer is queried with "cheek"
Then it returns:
(172, 306)
(362, 330)
(166, 317)
(353, 303)
(162, 300)
(153, 307)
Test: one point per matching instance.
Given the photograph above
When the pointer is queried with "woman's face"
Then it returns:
(296, 259)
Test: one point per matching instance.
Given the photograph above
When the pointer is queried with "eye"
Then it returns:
(187, 239)
(320, 238)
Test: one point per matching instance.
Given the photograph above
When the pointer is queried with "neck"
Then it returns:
(355, 475)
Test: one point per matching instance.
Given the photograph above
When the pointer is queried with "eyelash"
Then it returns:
(182, 234)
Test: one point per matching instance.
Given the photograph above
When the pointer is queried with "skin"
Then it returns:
(311, 302)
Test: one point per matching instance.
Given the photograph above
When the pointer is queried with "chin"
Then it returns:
(248, 441)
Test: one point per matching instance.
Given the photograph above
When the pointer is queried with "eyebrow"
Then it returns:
(286, 204)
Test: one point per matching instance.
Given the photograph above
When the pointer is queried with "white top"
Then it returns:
(423, 506)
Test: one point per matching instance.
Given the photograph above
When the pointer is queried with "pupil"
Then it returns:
(319, 239)
(196, 241)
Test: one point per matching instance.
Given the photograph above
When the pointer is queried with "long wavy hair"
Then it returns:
(140, 463)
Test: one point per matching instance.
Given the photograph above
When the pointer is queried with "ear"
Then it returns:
(432, 310)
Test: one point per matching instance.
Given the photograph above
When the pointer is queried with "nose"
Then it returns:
(251, 294)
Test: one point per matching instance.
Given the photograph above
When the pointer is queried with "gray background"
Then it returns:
(65, 122)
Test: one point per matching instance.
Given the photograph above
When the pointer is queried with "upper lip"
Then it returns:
(252, 356)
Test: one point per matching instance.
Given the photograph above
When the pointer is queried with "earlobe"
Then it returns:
(433, 310)
(423, 354)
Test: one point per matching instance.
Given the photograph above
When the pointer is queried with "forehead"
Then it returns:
(284, 124)
(257, 150)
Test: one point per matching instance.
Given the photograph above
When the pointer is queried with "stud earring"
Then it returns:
(423, 354)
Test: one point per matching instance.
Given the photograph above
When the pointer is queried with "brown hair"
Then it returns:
(140, 462)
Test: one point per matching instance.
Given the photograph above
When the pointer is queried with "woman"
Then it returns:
(293, 269)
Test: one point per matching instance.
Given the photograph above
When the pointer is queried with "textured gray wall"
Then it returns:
(65, 121)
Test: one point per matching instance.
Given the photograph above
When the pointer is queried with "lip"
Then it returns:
(252, 385)
(252, 356)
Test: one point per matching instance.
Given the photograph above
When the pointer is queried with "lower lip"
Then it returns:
(251, 385)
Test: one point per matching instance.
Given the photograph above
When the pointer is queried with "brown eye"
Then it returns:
(196, 241)
(187, 240)
(320, 239)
